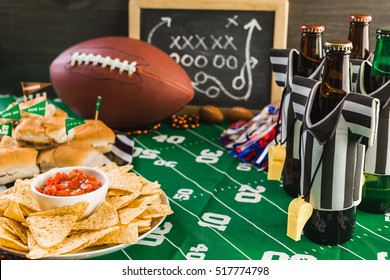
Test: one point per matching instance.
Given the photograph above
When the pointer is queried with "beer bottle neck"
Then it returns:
(381, 63)
(336, 82)
(359, 35)
(310, 53)
(337, 72)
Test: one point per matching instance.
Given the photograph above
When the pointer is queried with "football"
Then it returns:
(139, 83)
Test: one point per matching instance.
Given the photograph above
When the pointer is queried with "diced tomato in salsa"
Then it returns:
(74, 183)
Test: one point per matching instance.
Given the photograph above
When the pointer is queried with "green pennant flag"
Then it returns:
(12, 113)
(71, 123)
(37, 109)
(6, 129)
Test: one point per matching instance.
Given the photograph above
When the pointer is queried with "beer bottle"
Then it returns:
(376, 189)
(380, 71)
(359, 35)
(336, 81)
(310, 52)
(310, 56)
(332, 227)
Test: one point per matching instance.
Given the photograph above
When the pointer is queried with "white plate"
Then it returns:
(97, 251)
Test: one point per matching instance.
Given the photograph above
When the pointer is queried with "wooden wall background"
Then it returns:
(33, 33)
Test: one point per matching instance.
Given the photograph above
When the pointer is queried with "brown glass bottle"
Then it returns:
(336, 80)
(310, 52)
(359, 35)
(310, 57)
(333, 227)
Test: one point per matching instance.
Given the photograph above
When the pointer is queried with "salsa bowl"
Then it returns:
(51, 200)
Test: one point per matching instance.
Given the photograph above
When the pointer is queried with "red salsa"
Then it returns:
(74, 183)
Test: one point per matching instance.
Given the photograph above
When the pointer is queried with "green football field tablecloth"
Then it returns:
(225, 209)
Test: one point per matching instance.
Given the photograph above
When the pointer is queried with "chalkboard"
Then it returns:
(223, 45)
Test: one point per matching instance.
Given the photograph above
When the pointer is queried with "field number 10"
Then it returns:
(214, 220)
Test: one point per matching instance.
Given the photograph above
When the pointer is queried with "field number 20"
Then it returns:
(248, 194)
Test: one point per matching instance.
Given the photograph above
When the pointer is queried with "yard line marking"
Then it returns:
(224, 238)
(222, 203)
(177, 247)
(353, 253)
(373, 232)
(220, 127)
(207, 140)
(127, 255)
(226, 174)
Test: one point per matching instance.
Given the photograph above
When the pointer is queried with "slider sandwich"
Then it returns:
(97, 134)
(42, 133)
(17, 163)
(74, 154)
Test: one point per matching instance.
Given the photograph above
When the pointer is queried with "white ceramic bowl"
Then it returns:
(94, 198)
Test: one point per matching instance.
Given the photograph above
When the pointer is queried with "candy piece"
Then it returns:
(238, 113)
(210, 114)
(299, 211)
(276, 158)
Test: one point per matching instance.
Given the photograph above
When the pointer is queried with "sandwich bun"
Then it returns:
(17, 163)
(97, 134)
(74, 154)
(42, 133)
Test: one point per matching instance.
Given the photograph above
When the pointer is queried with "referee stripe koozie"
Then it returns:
(355, 68)
(333, 145)
(283, 62)
(122, 150)
(378, 156)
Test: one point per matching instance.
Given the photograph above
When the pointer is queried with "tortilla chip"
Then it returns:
(118, 192)
(113, 166)
(124, 181)
(71, 244)
(143, 229)
(15, 228)
(23, 195)
(126, 215)
(150, 188)
(14, 212)
(156, 210)
(7, 239)
(142, 222)
(119, 201)
(77, 209)
(4, 203)
(144, 201)
(106, 216)
(50, 230)
(125, 234)
(31, 242)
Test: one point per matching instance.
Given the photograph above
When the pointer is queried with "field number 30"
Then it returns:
(206, 156)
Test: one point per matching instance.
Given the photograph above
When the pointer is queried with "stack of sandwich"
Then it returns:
(40, 143)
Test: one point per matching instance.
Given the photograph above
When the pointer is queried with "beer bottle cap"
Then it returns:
(312, 27)
(383, 31)
(360, 18)
(338, 45)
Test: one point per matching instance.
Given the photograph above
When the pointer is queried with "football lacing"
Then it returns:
(122, 66)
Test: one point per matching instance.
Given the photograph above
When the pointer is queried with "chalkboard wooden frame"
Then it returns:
(279, 7)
